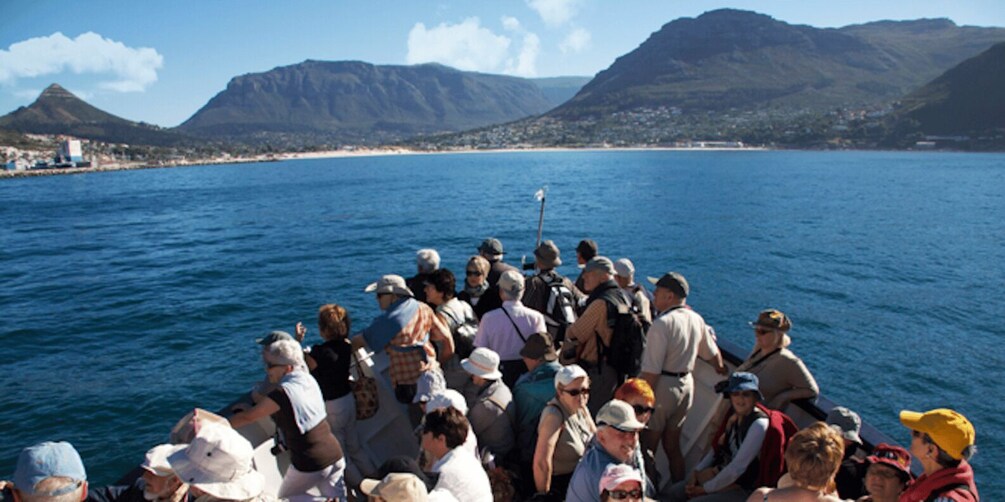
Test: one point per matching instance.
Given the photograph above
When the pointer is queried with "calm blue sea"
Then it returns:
(128, 298)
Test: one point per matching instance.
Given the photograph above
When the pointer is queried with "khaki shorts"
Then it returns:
(674, 396)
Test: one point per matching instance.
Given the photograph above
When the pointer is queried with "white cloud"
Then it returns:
(511, 23)
(131, 69)
(555, 12)
(466, 46)
(526, 63)
(577, 40)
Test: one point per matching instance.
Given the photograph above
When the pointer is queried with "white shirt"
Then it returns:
(463, 476)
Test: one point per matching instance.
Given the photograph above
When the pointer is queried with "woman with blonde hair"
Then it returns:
(476, 287)
(813, 457)
(783, 376)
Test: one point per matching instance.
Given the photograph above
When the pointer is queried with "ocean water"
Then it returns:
(128, 298)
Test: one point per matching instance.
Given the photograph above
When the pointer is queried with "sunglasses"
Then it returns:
(576, 392)
(635, 494)
(761, 331)
(890, 455)
(642, 410)
(473, 272)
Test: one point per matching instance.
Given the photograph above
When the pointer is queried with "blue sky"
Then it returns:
(159, 61)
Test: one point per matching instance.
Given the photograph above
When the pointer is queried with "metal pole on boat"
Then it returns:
(539, 195)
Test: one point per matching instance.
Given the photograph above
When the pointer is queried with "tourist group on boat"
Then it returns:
(531, 387)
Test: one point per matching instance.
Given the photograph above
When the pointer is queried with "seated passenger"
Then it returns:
(461, 474)
(621, 482)
(640, 396)
(850, 475)
(48, 472)
(783, 376)
(813, 457)
(219, 465)
(616, 442)
(564, 431)
(730, 469)
(157, 484)
(943, 441)
(427, 261)
(888, 474)
(491, 413)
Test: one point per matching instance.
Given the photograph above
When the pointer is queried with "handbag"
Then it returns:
(364, 390)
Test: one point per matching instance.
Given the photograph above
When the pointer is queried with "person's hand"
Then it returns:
(694, 491)
(301, 331)
(721, 368)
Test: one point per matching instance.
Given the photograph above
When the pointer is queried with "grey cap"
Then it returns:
(547, 255)
(491, 246)
(601, 264)
(674, 282)
(624, 268)
(845, 422)
(273, 337)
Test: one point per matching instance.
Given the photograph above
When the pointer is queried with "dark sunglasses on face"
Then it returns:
(761, 332)
(622, 494)
(473, 272)
(642, 410)
(577, 392)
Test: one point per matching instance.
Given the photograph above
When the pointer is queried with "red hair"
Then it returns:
(636, 387)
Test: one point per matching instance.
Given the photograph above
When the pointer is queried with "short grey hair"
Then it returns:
(54, 483)
(286, 352)
(428, 260)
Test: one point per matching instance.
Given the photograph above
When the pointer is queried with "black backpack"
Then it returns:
(628, 339)
(560, 310)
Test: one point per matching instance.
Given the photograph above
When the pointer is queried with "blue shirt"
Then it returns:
(390, 322)
(585, 483)
(531, 393)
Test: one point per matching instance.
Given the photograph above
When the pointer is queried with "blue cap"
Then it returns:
(46, 460)
(741, 381)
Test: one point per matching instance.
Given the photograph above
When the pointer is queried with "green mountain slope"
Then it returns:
(58, 111)
(359, 102)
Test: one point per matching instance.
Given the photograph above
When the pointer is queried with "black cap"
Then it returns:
(674, 282)
(587, 248)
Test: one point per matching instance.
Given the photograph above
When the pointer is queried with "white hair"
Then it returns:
(286, 352)
(428, 260)
(54, 483)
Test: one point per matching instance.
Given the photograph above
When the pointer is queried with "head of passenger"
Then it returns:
(585, 251)
(282, 358)
(440, 287)
(333, 322)
(620, 482)
(639, 395)
(511, 285)
(547, 256)
(160, 484)
(597, 271)
(814, 456)
(429, 384)
(476, 272)
(50, 472)
(483, 366)
(443, 430)
(624, 272)
(395, 487)
(671, 290)
(539, 349)
(272, 337)
(427, 260)
(743, 392)
(491, 249)
(771, 329)
(847, 423)
(889, 472)
(572, 387)
(218, 465)
(389, 289)
(618, 429)
(940, 438)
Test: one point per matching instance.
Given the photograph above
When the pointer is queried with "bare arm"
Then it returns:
(311, 363)
(264, 408)
(650, 378)
(548, 431)
(439, 332)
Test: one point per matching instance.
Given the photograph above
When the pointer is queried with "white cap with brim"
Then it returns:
(389, 284)
(219, 461)
(620, 415)
(156, 459)
(449, 398)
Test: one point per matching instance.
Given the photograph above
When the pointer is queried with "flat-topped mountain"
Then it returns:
(58, 111)
(353, 101)
(728, 58)
(969, 99)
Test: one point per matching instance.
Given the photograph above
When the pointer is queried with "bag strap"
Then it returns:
(762, 359)
(517, 328)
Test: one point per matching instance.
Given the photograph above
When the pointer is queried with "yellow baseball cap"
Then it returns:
(948, 429)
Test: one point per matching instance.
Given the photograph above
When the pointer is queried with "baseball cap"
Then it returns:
(599, 264)
(45, 460)
(620, 415)
(272, 337)
(950, 430)
(491, 246)
(673, 281)
(845, 422)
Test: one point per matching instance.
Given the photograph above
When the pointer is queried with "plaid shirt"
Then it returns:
(410, 347)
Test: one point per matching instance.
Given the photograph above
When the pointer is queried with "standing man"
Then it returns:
(678, 335)
(943, 441)
(505, 330)
(637, 295)
(405, 329)
(551, 293)
(492, 250)
(591, 333)
(585, 251)
(427, 261)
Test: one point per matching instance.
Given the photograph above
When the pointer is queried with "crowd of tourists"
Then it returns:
(531, 387)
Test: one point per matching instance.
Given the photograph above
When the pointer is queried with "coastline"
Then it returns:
(328, 154)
